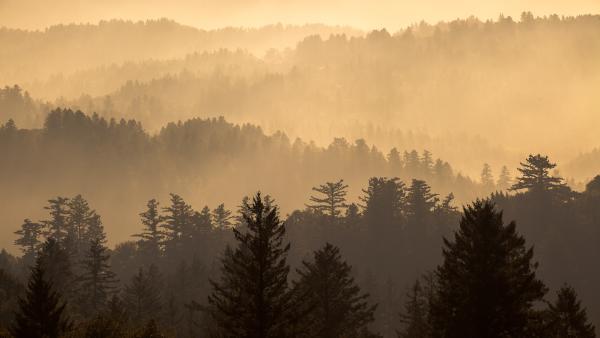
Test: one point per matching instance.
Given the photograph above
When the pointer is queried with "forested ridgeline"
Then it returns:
(467, 74)
(116, 165)
(31, 56)
(196, 271)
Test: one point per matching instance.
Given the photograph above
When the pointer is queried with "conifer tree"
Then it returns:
(57, 266)
(487, 179)
(221, 217)
(41, 313)
(29, 240)
(332, 200)
(383, 201)
(177, 224)
(251, 299)
(394, 161)
(142, 296)
(151, 238)
(334, 306)
(79, 216)
(487, 284)
(567, 318)
(535, 175)
(414, 318)
(420, 201)
(57, 226)
(97, 281)
(504, 179)
(426, 163)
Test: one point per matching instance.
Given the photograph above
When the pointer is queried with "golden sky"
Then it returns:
(36, 14)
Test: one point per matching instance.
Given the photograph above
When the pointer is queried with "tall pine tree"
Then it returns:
(334, 306)
(97, 280)
(151, 238)
(41, 313)
(487, 284)
(251, 299)
(567, 318)
(332, 198)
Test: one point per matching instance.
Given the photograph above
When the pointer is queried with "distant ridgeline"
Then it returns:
(400, 262)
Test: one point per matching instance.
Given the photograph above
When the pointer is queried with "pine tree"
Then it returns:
(504, 179)
(535, 175)
(177, 224)
(57, 226)
(414, 319)
(29, 240)
(394, 161)
(426, 163)
(151, 238)
(97, 280)
(251, 299)
(57, 266)
(487, 284)
(142, 296)
(79, 216)
(333, 305)
(487, 179)
(420, 202)
(383, 201)
(333, 199)
(41, 313)
(221, 217)
(567, 318)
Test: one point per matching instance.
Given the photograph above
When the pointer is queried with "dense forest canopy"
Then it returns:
(535, 77)
(206, 160)
(312, 180)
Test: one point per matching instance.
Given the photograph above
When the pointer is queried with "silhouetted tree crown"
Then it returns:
(332, 198)
(487, 284)
(567, 318)
(335, 305)
(535, 175)
(42, 312)
(252, 299)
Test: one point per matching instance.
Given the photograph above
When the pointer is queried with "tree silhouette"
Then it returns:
(142, 296)
(487, 284)
(504, 179)
(414, 318)
(420, 202)
(177, 224)
(566, 317)
(57, 266)
(335, 306)
(97, 280)
(151, 238)
(487, 179)
(383, 201)
(29, 240)
(251, 299)
(41, 313)
(56, 227)
(221, 217)
(535, 175)
(332, 200)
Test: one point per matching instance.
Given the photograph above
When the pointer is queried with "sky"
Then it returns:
(207, 14)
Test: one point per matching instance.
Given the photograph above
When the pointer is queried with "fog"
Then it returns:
(134, 136)
(205, 14)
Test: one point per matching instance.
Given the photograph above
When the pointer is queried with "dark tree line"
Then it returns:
(191, 273)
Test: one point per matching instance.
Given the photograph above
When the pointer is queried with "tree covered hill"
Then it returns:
(116, 162)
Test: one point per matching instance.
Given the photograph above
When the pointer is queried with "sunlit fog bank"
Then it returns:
(472, 91)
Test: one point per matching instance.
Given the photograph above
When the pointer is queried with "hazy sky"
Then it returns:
(35, 14)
